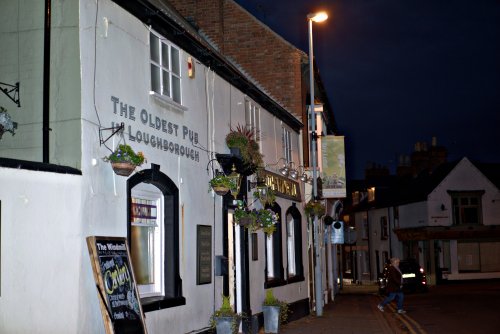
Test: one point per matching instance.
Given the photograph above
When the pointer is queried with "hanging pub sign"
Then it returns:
(114, 276)
(333, 167)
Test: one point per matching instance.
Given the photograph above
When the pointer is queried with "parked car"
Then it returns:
(414, 278)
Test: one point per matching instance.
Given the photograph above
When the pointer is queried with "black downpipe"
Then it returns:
(46, 82)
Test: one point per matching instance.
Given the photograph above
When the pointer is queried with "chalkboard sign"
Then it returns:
(114, 276)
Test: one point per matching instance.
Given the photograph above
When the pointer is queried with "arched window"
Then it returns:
(274, 257)
(295, 268)
(153, 236)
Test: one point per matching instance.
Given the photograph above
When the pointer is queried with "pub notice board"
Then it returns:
(116, 288)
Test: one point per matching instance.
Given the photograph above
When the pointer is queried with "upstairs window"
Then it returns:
(252, 119)
(466, 207)
(165, 68)
(286, 144)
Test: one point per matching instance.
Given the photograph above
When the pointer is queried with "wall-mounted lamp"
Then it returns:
(236, 178)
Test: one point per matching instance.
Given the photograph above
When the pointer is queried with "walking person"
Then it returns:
(394, 287)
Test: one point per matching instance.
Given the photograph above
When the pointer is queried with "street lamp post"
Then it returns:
(318, 284)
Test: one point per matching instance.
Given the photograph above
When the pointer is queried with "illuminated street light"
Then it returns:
(318, 285)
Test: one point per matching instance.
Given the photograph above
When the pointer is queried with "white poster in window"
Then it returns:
(333, 167)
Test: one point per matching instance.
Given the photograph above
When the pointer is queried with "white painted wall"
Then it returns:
(45, 268)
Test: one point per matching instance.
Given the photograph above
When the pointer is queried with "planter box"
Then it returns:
(271, 319)
(224, 325)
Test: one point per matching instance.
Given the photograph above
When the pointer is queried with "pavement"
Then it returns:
(353, 311)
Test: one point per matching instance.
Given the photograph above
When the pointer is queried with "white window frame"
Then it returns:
(149, 192)
(252, 118)
(270, 255)
(286, 143)
(166, 68)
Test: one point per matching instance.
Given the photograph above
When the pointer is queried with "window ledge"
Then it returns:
(274, 283)
(296, 278)
(167, 102)
(150, 304)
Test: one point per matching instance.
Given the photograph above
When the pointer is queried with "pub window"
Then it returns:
(152, 232)
(165, 68)
(274, 260)
(295, 267)
(466, 207)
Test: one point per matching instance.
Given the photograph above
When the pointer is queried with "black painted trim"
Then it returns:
(38, 166)
(173, 282)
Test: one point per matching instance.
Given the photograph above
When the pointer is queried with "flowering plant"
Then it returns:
(6, 123)
(267, 220)
(313, 208)
(125, 153)
(247, 218)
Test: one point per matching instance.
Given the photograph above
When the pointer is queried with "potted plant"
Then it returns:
(225, 320)
(124, 160)
(267, 220)
(221, 184)
(246, 218)
(242, 139)
(6, 123)
(275, 312)
(313, 208)
(267, 198)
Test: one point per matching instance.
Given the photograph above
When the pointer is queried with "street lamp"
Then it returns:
(318, 284)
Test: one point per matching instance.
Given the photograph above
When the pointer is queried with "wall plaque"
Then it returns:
(203, 254)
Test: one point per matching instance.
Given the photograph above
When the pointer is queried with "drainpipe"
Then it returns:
(46, 82)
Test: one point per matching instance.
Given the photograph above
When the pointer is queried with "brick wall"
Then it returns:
(269, 59)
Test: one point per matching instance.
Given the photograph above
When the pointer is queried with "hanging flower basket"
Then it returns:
(124, 160)
(221, 184)
(313, 208)
(123, 168)
(245, 221)
(220, 190)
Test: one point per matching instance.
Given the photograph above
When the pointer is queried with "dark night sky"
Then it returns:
(401, 71)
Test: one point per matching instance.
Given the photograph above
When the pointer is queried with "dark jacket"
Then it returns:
(394, 280)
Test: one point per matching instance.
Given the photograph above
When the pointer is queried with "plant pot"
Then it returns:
(235, 151)
(245, 221)
(271, 318)
(123, 168)
(221, 191)
(227, 325)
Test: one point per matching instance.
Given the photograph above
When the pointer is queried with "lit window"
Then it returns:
(153, 234)
(147, 239)
(290, 241)
(165, 68)
(295, 269)
(274, 257)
